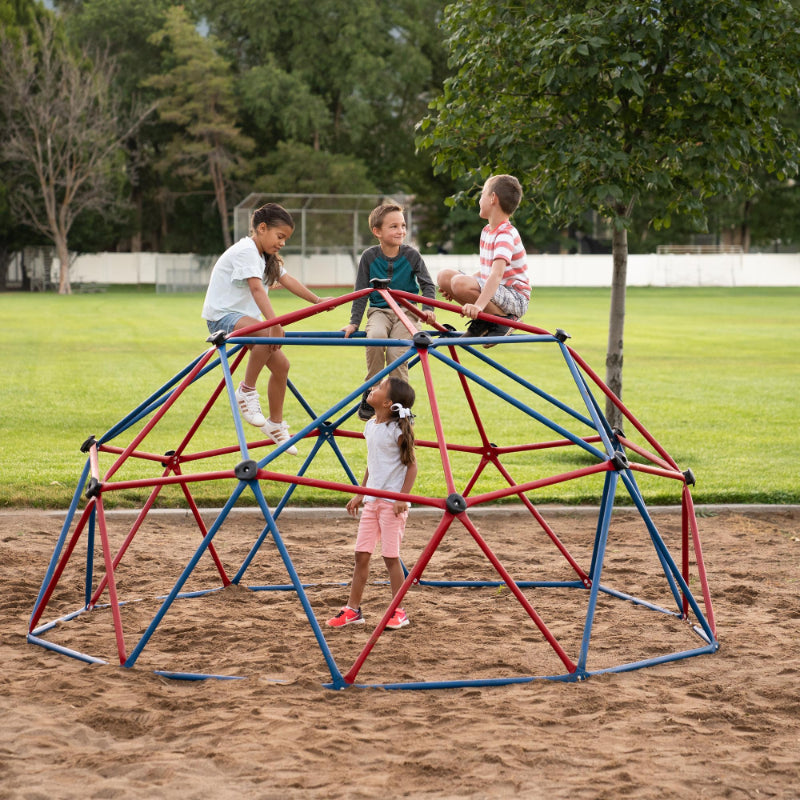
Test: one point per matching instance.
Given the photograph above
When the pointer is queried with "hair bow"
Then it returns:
(401, 411)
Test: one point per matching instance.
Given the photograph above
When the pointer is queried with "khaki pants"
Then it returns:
(383, 323)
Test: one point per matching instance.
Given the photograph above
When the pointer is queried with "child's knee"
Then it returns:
(278, 364)
(444, 277)
(260, 352)
(464, 287)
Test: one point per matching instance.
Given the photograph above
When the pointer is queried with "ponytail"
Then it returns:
(402, 396)
(272, 269)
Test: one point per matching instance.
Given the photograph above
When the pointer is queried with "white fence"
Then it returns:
(190, 272)
(652, 269)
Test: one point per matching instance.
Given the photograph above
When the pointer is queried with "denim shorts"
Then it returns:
(226, 323)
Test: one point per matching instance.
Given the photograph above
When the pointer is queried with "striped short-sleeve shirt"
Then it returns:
(504, 243)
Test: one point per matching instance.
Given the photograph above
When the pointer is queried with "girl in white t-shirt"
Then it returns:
(391, 467)
(238, 296)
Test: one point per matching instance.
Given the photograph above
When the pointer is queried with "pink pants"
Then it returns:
(378, 519)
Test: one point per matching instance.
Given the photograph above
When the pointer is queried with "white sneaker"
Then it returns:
(250, 408)
(279, 433)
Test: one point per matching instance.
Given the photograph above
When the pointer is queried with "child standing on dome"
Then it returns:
(404, 268)
(238, 295)
(392, 467)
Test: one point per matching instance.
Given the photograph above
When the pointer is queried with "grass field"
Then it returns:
(711, 373)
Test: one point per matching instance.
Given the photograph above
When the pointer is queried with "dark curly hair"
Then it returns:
(272, 215)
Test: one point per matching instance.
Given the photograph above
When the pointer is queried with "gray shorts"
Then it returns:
(510, 301)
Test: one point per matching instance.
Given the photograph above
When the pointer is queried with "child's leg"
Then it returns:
(272, 357)
(278, 366)
(259, 355)
(467, 289)
(367, 538)
(360, 576)
(444, 279)
(464, 289)
(396, 576)
(246, 395)
(458, 287)
(379, 325)
(392, 529)
(402, 371)
(399, 331)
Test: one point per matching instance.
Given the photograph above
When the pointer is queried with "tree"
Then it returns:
(373, 67)
(593, 103)
(349, 78)
(298, 168)
(64, 131)
(124, 28)
(17, 17)
(197, 98)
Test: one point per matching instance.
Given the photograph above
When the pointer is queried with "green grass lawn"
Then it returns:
(711, 373)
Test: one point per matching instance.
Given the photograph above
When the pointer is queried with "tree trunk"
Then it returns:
(136, 238)
(616, 324)
(63, 271)
(5, 261)
(218, 179)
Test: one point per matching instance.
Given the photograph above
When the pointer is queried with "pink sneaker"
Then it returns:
(346, 617)
(399, 620)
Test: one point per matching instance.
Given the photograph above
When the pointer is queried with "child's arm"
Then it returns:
(357, 309)
(408, 484)
(487, 293)
(427, 287)
(295, 287)
(261, 296)
(355, 502)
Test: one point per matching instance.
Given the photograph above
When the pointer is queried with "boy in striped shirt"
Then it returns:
(501, 287)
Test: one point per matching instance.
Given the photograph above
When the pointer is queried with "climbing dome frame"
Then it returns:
(543, 422)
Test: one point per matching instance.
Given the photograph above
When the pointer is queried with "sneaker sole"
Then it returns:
(468, 334)
(292, 451)
(397, 627)
(345, 624)
(509, 330)
(254, 424)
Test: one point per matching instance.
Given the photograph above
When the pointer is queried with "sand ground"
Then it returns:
(721, 725)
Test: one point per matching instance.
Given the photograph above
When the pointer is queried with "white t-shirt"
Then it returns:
(386, 470)
(228, 291)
